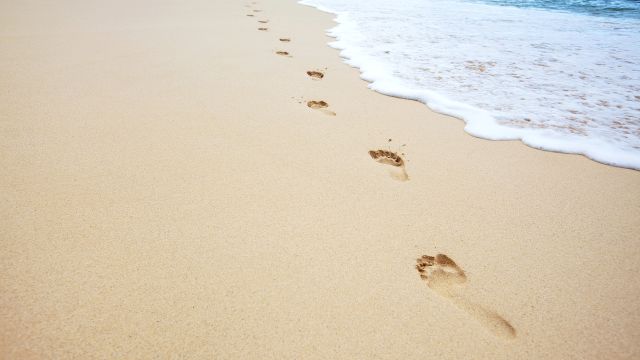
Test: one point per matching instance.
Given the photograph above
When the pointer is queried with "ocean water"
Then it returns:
(560, 75)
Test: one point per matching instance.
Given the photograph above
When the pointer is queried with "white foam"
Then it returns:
(557, 81)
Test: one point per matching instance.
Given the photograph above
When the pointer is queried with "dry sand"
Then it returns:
(167, 193)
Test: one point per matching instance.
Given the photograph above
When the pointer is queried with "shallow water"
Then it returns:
(564, 76)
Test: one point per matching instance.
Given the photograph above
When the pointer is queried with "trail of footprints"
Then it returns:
(447, 279)
(320, 105)
(387, 157)
(440, 273)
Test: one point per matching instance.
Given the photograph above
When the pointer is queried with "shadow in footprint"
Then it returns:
(283, 53)
(392, 158)
(285, 39)
(251, 15)
(446, 278)
(320, 105)
(263, 21)
(315, 75)
(263, 29)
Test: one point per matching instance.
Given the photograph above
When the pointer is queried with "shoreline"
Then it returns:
(478, 122)
(173, 194)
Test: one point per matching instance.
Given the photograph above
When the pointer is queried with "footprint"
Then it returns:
(320, 105)
(316, 75)
(257, 10)
(391, 158)
(317, 104)
(250, 15)
(285, 39)
(263, 29)
(263, 21)
(447, 279)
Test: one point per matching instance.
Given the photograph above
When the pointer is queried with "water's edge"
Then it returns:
(478, 122)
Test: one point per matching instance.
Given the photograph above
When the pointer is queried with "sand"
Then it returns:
(166, 192)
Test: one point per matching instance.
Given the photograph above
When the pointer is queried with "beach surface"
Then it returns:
(167, 192)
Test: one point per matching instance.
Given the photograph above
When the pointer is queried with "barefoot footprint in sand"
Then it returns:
(320, 105)
(315, 75)
(394, 159)
(447, 279)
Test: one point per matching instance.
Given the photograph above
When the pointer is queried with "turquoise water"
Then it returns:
(615, 8)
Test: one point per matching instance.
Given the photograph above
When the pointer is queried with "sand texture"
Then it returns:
(178, 183)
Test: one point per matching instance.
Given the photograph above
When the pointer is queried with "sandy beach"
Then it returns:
(167, 192)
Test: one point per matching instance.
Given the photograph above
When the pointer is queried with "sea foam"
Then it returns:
(557, 81)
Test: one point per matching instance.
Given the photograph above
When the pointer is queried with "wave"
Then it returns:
(558, 82)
